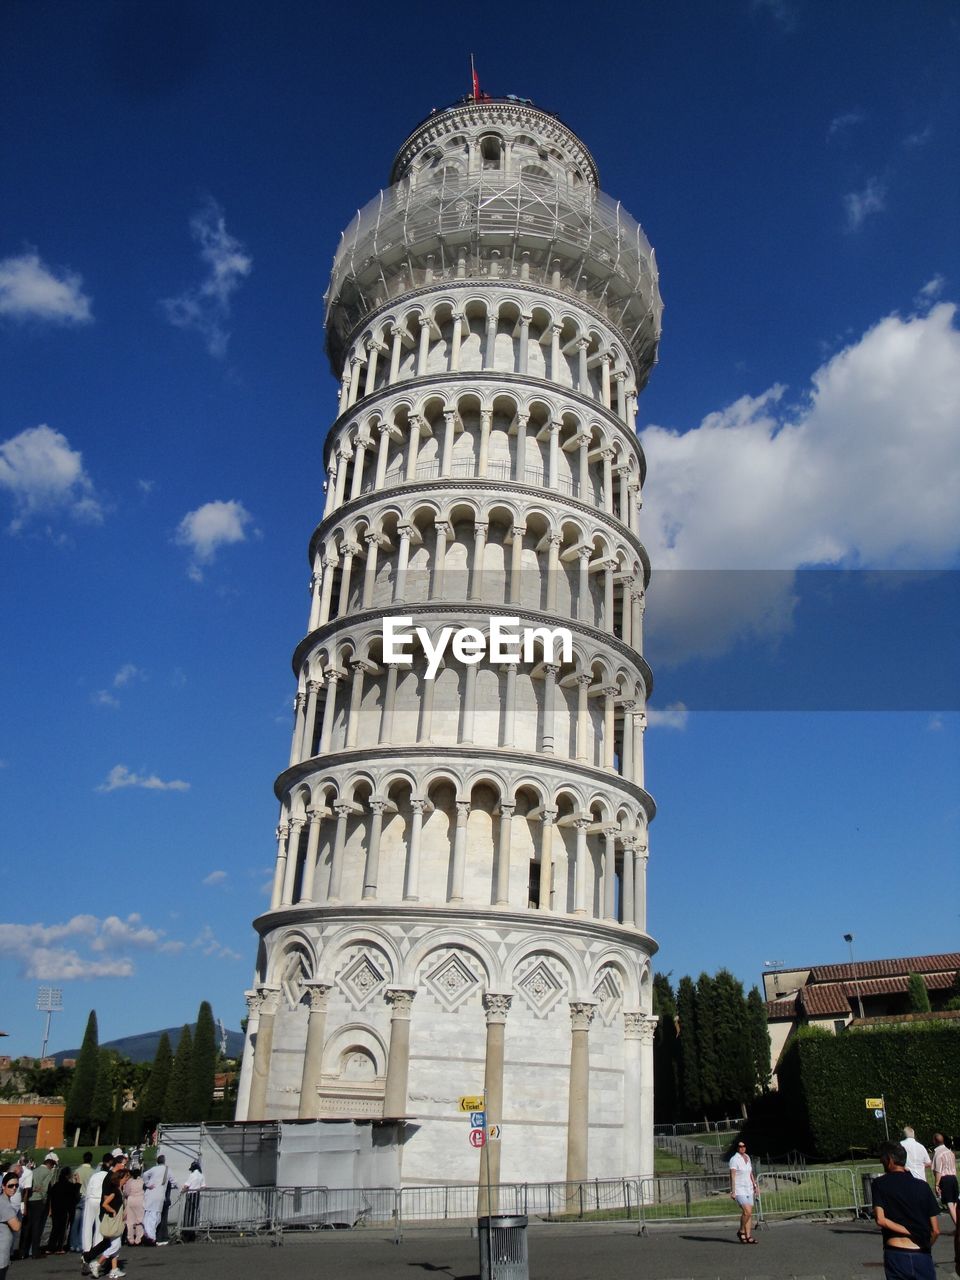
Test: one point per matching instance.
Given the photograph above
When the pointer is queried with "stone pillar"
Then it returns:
(516, 562)
(423, 350)
(520, 459)
(296, 742)
(356, 701)
(584, 599)
(276, 896)
(605, 381)
(555, 353)
(449, 439)
(425, 730)
(469, 703)
(396, 350)
(411, 889)
(336, 860)
(632, 1137)
(626, 611)
(490, 346)
(639, 727)
(459, 851)
(626, 760)
(640, 887)
(620, 378)
(371, 871)
(269, 1003)
(647, 1028)
(502, 892)
(319, 996)
(476, 574)
(343, 457)
(584, 680)
(628, 899)
(456, 338)
(314, 819)
(583, 374)
(638, 621)
(413, 445)
(383, 450)
(549, 707)
(350, 549)
(553, 570)
(525, 318)
(548, 818)
(609, 724)
(389, 702)
(486, 422)
(359, 453)
(246, 1066)
(309, 720)
(293, 857)
(326, 592)
(442, 530)
(331, 487)
(584, 491)
(403, 558)
(329, 710)
(496, 1007)
(356, 363)
(510, 709)
(610, 872)
(400, 1000)
(316, 586)
(578, 1107)
(370, 569)
(373, 350)
(608, 619)
(623, 477)
(580, 868)
(553, 471)
(607, 456)
(635, 505)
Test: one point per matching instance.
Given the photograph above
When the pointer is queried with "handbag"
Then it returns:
(111, 1225)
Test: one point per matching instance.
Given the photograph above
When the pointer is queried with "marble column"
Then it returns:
(279, 872)
(319, 997)
(584, 680)
(309, 720)
(296, 826)
(476, 569)
(400, 1000)
(371, 871)
(370, 569)
(486, 422)
(456, 339)
(628, 900)
(647, 1028)
(329, 710)
(632, 1137)
(640, 887)
(356, 701)
(547, 738)
(520, 455)
(296, 741)
(610, 872)
(411, 888)
(502, 891)
(609, 724)
(405, 532)
(449, 438)
(553, 570)
(578, 1106)
(254, 1001)
(314, 820)
(263, 1049)
(516, 562)
(496, 1007)
(548, 818)
(389, 704)
(413, 445)
(580, 868)
(336, 858)
(584, 598)
(459, 860)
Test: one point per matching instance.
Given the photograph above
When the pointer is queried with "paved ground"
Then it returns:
(786, 1251)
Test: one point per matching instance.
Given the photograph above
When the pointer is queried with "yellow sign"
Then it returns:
(471, 1103)
(873, 1104)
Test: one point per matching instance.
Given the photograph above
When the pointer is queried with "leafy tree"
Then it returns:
(79, 1102)
(735, 1066)
(666, 1050)
(689, 1067)
(178, 1101)
(101, 1105)
(917, 994)
(204, 1064)
(759, 1035)
(155, 1093)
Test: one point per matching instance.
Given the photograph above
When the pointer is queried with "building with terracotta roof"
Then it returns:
(831, 995)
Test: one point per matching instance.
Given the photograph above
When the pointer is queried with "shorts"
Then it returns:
(743, 1201)
(948, 1189)
(908, 1264)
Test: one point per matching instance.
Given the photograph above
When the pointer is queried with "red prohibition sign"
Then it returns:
(477, 1137)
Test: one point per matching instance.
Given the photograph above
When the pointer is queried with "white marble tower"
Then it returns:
(460, 891)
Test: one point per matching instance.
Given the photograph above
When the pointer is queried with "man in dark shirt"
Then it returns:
(906, 1211)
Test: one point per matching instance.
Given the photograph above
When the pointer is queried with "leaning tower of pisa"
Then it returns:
(459, 902)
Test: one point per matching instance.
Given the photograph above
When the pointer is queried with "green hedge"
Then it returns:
(824, 1080)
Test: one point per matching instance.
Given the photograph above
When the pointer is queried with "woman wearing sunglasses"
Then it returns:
(9, 1221)
(743, 1189)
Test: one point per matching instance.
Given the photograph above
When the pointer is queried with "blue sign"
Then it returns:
(478, 1119)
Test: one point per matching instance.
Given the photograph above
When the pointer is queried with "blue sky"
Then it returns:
(175, 177)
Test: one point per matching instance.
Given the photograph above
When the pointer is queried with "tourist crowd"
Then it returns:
(91, 1210)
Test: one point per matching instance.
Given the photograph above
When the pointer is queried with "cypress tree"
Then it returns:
(759, 1034)
(917, 994)
(101, 1107)
(707, 1053)
(154, 1095)
(204, 1065)
(84, 1080)
(179, 1097)
(735, 1069)
(689, 1067)
(665, 1050)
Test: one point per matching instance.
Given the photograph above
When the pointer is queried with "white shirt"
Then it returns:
(194, 1181)
(917, 1157)
(743, 1175)
(95, 1185)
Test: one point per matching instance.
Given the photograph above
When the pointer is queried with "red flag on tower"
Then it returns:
(475, 81)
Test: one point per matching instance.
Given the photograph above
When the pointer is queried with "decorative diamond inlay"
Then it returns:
(361, 980)
(608, 995)
(540, 988)
(452, 981)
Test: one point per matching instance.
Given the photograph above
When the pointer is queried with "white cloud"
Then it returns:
(931, 290)
(206, 308)
(30, 290)
(42, 956)
(104, 698)
(43, 474)
(674, 716)
(863, 472)
(126, 673)
(215, 877)
(846, 120)
(783, 12)
(146, 486)
(935, 724)
(210, 527)
(207, 943)
(858, 205)
(920, 138)
(120, 776)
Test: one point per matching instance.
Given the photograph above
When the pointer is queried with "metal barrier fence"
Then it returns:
(270, 1211)
(698, 1126)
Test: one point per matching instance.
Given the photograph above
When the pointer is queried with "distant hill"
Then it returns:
(142, 1048)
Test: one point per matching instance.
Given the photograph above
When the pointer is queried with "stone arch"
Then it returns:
(441, 938)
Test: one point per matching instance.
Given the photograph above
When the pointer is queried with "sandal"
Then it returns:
(749, 1240)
